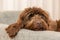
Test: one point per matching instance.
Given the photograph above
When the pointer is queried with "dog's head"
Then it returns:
(35, 19)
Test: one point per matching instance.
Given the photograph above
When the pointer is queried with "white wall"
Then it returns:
(52, 6)
(12, 5)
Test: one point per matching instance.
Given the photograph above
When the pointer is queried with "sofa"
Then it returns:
(9, 17)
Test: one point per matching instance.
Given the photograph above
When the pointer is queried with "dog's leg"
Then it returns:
(13, 29)
(52, 25)
(58, 25)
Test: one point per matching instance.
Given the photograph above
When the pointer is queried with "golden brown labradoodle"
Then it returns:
(35, 19)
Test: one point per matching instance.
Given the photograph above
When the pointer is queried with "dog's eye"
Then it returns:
(31, 15)
(42, 16)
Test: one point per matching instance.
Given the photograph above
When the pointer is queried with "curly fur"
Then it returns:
(35, 19)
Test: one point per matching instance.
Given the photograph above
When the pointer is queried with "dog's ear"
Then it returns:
(58, 25)
(24, 13)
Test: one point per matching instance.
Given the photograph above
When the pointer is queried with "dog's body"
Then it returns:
(34, 19)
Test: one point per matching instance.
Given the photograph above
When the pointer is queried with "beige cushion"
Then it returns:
(9, 17)
(29, 35)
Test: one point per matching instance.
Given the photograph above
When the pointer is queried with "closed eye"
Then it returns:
(31, 15)
(43, 17)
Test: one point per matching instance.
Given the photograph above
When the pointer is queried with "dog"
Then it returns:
(35, 19)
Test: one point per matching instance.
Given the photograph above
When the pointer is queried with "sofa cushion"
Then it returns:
(9, 17)
(25, 34)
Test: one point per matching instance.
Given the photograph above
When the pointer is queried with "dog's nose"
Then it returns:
(38, 24)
